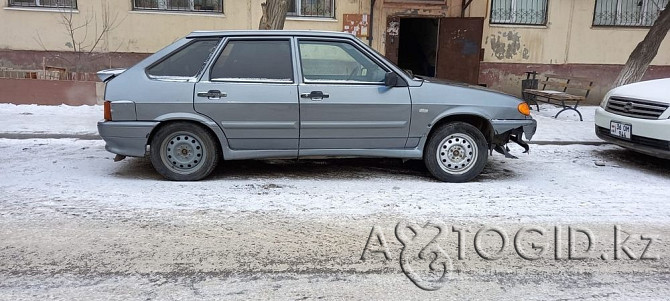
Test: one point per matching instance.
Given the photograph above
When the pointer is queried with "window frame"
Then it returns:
(512, 21)
(173, 78)
(191, 9)
(337, 82)
(219, 52)
(297, 13)
(619, 12)
(11, 3)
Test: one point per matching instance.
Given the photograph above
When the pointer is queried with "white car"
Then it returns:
(636, 116)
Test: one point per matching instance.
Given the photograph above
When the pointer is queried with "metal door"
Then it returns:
(459, 49)
(392, 38)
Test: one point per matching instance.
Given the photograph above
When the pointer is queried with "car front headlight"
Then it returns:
(523, 108)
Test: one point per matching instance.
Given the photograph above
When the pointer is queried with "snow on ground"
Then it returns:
(550, 183)
(567, 126)
(63, 119)
(82, 120)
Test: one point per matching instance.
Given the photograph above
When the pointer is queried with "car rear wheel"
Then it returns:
(456, 152)
(184, 151)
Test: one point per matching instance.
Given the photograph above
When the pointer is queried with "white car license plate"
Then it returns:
(619, 129)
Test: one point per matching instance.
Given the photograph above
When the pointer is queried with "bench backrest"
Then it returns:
(572, 85)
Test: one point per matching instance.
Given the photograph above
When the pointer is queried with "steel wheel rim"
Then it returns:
(457, 153)
(183, 152)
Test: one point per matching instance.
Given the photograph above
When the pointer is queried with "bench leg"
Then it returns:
(569, 109)
(531, 100)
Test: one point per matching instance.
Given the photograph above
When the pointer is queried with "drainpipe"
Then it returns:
(372, 18)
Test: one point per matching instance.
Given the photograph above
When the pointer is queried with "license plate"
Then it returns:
(619, 129)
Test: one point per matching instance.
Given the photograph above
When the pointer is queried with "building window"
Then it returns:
(635, 13)
(44, 3)
(312, 8)
(519, 12)
(180, 5)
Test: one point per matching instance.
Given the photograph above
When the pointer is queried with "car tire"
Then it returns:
(184, 151)
(456, 152)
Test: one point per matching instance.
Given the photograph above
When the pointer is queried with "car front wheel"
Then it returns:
(456, 152)
(184, 152)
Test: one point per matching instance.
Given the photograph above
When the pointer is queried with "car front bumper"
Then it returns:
(127, 138)
(529, 126)
(648, 136)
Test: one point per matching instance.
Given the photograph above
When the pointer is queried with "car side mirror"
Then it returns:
(391, 79)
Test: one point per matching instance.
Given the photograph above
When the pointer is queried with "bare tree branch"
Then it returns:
(86, 35)
(37, 38)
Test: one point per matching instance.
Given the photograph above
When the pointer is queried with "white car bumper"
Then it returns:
(648, 136)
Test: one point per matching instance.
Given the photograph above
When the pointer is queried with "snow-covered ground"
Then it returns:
(63, 119)
(567, 126)
(550, 183)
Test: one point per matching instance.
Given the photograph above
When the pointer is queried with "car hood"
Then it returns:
(447, 82)
(655, 90)
(456, 93)
(458, 98)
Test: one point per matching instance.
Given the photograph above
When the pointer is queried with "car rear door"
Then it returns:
(251, 92)
(344, 103)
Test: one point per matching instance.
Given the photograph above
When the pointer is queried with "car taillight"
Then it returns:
(108, 110)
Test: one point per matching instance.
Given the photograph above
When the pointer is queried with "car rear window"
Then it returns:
(255, 60)
(185, 62)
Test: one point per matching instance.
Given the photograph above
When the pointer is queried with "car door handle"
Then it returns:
(315, 95)
(212, 94)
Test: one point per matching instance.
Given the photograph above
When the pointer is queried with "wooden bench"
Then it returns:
(567, 92)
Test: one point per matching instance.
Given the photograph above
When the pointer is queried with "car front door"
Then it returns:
(344, 103)
(251, 92)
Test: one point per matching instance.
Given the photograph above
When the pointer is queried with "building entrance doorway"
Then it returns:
(417, 49)
(446, 48)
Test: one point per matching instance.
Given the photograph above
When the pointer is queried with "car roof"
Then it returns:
(309, 33)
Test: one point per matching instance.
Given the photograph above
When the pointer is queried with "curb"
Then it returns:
(596, 143)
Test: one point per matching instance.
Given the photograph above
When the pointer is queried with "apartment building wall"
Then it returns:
(32, 36)
(138, 30)
(568, 45)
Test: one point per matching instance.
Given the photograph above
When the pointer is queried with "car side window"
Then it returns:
(185, 62)
(336, 62)
(254, 60)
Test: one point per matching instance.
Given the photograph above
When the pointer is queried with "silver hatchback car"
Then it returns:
(235, 95)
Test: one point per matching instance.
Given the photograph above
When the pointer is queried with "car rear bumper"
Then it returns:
(651, 137)
(127, 138)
